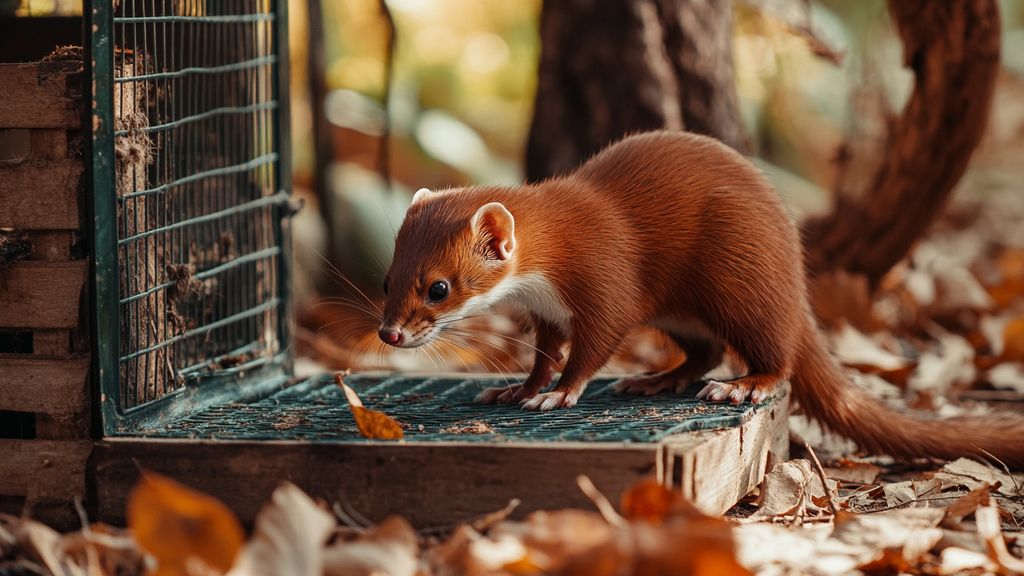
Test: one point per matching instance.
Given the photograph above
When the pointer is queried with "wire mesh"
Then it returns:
(196, 177)
(442, 409)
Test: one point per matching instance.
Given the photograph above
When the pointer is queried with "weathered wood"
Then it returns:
(41, 294)
(46, 385)
(51, 246)
(715, 469)
(429, 483)
(44, 470)
(442, 483)
(46, 342)
(39, 95)
(40, 196)
(49, 144)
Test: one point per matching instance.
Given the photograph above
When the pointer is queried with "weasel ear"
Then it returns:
(496, 222)
(421, 195)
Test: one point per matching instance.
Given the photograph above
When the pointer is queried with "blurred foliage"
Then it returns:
(41, 7)
(465, 74)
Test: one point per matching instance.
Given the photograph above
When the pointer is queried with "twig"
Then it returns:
(821, 475)
(485, 522)
(1016, 486)
(603, 505)
(346, 519)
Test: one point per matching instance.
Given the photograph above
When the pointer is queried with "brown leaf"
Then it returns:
(179, 526)
(371, 423)
(965, 506)
(787, 488)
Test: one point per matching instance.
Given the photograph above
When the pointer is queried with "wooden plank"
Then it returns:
(430, 483)
(39, 95)
(49, 144)
(40, 196)
(714, 469)
(51, 246)
(41, 294)
(56, 343)
(46, 385)
(44, 470)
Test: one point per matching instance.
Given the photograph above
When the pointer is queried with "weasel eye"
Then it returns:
(438, 291)
(385, 286)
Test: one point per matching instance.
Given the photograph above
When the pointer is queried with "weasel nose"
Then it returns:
(390, 336)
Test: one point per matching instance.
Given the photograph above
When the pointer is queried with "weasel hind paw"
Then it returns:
(735, 392)
(503, 394)
(548, 401)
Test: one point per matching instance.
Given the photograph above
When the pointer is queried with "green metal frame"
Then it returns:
(238, 383)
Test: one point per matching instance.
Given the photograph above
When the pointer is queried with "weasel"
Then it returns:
(666, 229)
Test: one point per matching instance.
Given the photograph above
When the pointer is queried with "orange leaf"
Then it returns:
(371, 423)
(1013, 340)
(178, 526)
(648, 500)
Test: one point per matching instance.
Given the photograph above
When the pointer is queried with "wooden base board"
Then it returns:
(436, 484)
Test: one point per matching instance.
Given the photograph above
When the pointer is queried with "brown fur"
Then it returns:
(677, 231)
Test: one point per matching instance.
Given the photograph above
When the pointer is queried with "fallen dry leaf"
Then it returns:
(652, 502)
(853, 348)
(987, 517)
(288, 538)
(181, 527)
(910, 532)
(973, 474)
(788, 488)
(388, 549)
(1013, 340)
(371, 423)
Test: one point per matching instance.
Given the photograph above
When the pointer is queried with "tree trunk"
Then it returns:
(612, 67)
(953, 49)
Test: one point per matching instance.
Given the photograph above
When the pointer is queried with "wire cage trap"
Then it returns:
(189, 162)
(189, 173)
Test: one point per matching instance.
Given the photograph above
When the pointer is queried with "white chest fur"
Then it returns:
(533, 292)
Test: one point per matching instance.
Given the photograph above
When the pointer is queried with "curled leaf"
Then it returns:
(371, 423)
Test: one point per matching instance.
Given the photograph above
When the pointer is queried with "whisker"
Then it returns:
(506, 337)
(496, 347)
(341, 276)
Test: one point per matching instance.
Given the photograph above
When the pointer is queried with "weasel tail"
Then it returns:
(827, 396)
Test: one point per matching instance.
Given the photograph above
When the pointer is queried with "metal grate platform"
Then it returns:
(433, 409)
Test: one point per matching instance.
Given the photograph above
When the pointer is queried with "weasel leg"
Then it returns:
(549, 344)
(755, 387)
(585, 358)
(702, 356)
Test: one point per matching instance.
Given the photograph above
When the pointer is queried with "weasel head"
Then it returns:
(451, 254)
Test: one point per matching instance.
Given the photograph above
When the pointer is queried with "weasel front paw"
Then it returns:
(504, 394)
(550, 400)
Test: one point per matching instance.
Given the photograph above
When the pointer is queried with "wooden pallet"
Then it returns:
(443, 481)
(44, 379)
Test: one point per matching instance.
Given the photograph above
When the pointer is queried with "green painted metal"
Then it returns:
(105, 273)
(441, 409)
(190, 178)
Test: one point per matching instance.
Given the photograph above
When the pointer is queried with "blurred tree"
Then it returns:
(618, 66)
(953, 49)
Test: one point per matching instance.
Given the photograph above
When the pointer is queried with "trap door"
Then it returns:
(190, 183)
